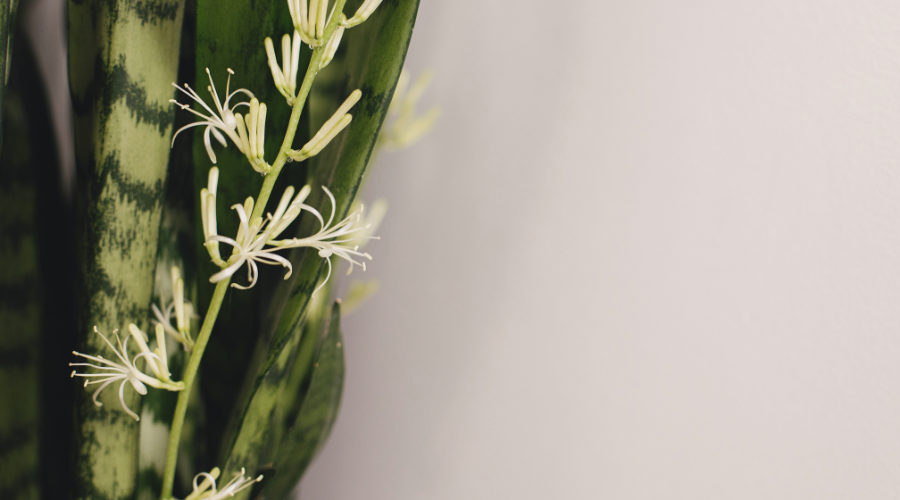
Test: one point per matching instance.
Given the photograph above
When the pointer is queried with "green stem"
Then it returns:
(190, 372)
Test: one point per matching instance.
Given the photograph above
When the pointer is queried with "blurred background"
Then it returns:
(650, 250)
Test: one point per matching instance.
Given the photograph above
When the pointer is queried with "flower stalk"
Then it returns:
(222, 286)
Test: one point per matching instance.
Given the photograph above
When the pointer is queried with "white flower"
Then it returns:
(126, 371)
(341, 240)
(207, 490)
(331, 128)
(247, 133)
(402, 128)
(182, 310)
(311, 16)
(248, 247)
(256, 241)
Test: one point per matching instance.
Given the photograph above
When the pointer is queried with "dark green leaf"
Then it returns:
(370, 59)
(20, 286)
(31, 159)
(230, 35)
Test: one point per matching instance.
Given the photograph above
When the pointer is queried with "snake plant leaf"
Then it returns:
(123, 57)
(370, 58)
(36, 227)
(8, 10)
(310, 427)
(229, 35)
(21, 290)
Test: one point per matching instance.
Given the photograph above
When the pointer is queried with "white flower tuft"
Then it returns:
(126, 371)
(247, 133)
(206, 489)
(256, 241)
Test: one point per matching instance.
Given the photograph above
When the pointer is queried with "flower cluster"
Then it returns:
(127, 371)
(248, 132)
(257, 239)
(207, 490)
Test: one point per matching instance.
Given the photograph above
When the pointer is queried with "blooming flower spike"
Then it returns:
(126, 371)
(248, 248)
(329, 130)
(250, 244)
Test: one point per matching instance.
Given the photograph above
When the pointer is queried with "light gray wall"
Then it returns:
(650, 251)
